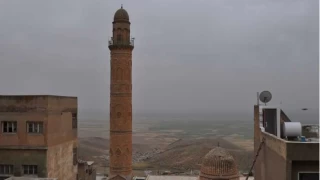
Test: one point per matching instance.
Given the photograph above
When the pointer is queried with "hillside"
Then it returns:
(187, 154)
(183, 154)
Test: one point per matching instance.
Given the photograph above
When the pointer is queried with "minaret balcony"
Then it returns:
(121, 44)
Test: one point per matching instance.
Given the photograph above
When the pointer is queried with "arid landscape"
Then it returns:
(173, 144)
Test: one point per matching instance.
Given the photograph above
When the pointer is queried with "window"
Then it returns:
(6, 169)
(9, 126)
(74, 121)
(119, 37)
(75, 156)
(35, 127)
(30, 169)
(309, 176)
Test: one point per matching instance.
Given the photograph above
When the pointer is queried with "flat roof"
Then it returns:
(170, 177)
(30, 178)
(37, 95)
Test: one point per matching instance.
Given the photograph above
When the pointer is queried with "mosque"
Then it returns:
(217, 164)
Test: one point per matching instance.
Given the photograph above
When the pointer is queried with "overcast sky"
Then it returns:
(189, 56)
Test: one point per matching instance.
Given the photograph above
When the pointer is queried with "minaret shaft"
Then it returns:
(121, 98)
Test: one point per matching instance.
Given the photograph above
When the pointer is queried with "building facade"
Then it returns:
(121, 46)
(86, 171)
(38, 136)
(280, 158)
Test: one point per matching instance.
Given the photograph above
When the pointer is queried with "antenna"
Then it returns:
(265, 97)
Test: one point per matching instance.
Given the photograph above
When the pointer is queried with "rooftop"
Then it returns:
(30, 178)
(38, 95)
(275, 122)
(155, 177)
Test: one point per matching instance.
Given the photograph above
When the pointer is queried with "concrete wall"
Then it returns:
(60, 161)
(273, 166)
(271, 163)
(303, 166)
(297, 151)
(256, 140)
(17, 158)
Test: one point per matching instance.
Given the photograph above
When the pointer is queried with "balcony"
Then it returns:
(121, 44)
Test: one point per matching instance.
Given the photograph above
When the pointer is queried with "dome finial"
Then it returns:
(121, 6)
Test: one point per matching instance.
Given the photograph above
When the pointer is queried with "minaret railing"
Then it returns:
(116, 42)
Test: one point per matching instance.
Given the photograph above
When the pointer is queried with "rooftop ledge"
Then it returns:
(293, 150)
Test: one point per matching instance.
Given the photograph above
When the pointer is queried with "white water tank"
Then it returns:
(292, 129)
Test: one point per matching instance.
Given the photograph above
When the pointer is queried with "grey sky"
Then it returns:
(200, 55)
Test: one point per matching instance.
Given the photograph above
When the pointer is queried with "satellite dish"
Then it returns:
(265, 96)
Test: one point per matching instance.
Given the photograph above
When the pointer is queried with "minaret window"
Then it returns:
(119, 37)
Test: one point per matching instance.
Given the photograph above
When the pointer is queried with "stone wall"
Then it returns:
(54, 111)
(21, 137)
(60, 130)
(17, 158)
(60, 161)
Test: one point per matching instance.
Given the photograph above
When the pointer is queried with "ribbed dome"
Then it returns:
(218, 163)
(121, 14)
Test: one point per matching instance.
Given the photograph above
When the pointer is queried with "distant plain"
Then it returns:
(159, 141)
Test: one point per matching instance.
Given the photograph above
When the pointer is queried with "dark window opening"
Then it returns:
(119, 37)
(6, 169)
(30, 169)
(74, 121)
(9, 127)
(309, 176)
(35, 127)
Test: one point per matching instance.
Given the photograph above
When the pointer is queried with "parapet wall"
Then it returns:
(23, 103)
(37, 103)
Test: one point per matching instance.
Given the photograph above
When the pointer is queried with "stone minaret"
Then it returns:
(121, 47)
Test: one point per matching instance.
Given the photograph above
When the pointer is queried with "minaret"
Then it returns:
(121, 46)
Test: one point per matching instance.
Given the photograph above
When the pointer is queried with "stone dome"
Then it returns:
(121, 15)
(218, 164)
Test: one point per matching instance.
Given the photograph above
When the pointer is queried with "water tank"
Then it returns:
(291, 129)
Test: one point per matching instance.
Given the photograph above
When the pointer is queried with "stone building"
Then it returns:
(121, 46)
(86, 171)
(38, 137)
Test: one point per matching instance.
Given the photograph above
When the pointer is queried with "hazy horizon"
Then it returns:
(190, 56)
(304, 117)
